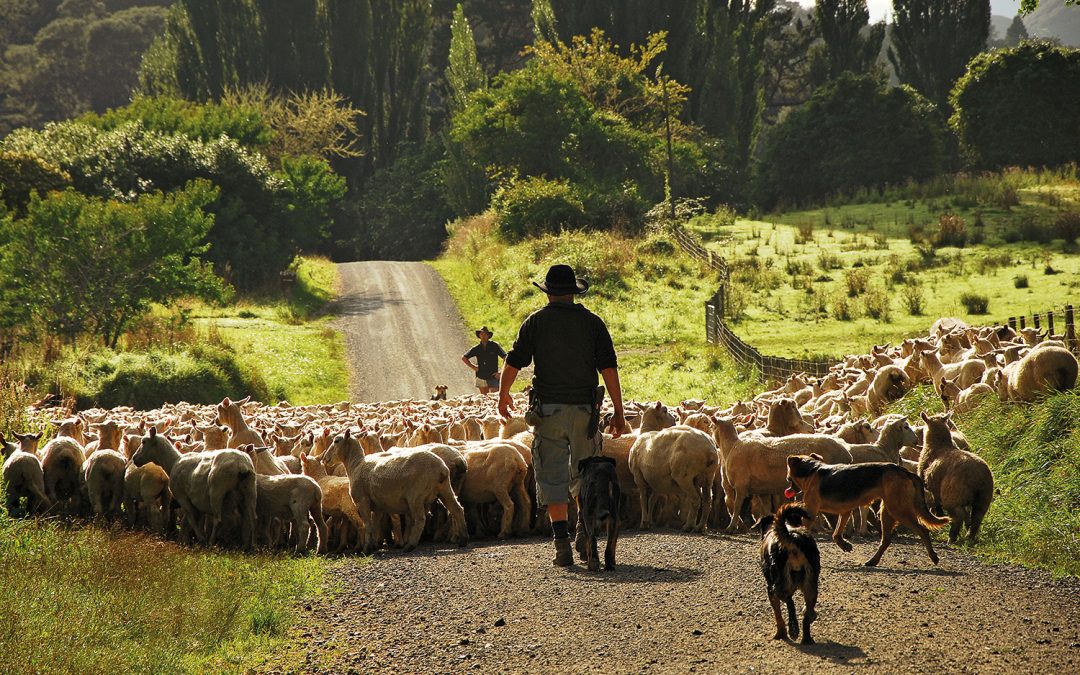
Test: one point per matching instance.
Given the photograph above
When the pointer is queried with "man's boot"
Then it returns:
(564, 556)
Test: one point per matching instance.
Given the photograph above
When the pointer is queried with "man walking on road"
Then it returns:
(487, 355)
(569, 345)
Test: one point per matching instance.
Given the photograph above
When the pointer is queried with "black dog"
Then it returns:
(598, 508)
(790, 562)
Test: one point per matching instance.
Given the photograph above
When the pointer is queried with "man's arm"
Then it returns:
(506, 403)
(470, 364)
(614, 387)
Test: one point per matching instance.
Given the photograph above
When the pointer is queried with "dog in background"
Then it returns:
(598, 509)
(842, 488)
(440, 393)
(790, 562)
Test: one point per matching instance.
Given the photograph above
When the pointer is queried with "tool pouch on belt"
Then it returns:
(594, 416)
(533, 414)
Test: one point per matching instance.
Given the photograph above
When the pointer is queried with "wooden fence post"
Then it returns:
(1035, 319)
(1050, 323)
(1012, 322)
(1023, 322)
(1070, 328)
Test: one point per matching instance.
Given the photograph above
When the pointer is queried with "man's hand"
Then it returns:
(618, 425)
(506, 404)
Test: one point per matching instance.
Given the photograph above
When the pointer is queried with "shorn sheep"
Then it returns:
(292, 500)
(398, 484)
(1041, 370)
(23, 479)
(679, 462)
(103, 474)
(61, 463)
(203, 483)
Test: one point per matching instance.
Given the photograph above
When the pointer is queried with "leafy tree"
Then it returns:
(22, 174)
(788, 55)
(464, 75)
(1029, 6)
(244, 123)
(932, 42)
(81, 265)
(545, 27)
(854, 132)
(1011, 107)
(849, 44)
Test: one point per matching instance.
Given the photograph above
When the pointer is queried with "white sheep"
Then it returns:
(1043, 369)
(292, 499)
(103, 475)
(23, 478)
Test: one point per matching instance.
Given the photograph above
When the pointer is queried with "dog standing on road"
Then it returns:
(790, 562)
(842, 488)
(598, 506)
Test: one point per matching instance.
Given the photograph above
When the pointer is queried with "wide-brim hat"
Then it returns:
(487, 330)
(560, 280)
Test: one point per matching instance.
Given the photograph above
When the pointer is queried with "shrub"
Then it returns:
(829, 261)
(534, 206)
(736, 302)
(201, 373)
(842, 308)
(975, 303)
(1067, 227)
(951, 231)
(853, 132)
(23, 173)
(804, 233)
(876, 304)
(1020, 281)
(914, 299)
(856, 281)
(1026, 82)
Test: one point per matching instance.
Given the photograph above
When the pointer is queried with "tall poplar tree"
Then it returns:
(933, 41)
(464, 75)
(849, 45)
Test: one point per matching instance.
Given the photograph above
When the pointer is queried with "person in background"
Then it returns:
(487, 355)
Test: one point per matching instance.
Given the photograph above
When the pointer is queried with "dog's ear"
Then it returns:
(817, 457)
(764, 524)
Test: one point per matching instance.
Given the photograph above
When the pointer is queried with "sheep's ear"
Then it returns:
(924, 416)
(225, 402)
(348, 433)
(153, 431)
(244, 400)
(303, 457)
(948, 417)
(817, 457)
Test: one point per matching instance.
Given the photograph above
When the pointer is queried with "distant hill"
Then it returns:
(1053, 19)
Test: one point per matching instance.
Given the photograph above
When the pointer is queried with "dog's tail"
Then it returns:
(792, 514)
(921, 511)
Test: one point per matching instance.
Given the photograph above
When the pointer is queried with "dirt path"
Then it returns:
(684, 603)
(399, 318)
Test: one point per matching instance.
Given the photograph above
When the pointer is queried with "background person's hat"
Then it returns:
(560, 280)
(487, 330)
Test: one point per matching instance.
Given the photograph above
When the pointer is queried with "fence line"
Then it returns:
(695, 250)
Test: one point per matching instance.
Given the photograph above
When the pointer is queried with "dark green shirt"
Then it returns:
(569, 345)
(487, 359)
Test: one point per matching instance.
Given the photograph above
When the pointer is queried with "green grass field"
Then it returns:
(650, 294)
(286, 339)
(796, 273)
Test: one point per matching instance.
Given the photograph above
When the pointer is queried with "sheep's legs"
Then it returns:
(507, 522)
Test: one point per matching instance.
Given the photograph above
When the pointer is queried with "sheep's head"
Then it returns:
(28, 442)
(937, 429)
(949, 391)
(152, 448)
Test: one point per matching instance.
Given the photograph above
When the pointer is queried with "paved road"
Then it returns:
(403, 332)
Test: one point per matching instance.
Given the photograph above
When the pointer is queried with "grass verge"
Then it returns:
(1034, 453)
(88, 600)
(650, 294)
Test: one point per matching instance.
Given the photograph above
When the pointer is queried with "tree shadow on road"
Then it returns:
(359, 304)
(903, 571)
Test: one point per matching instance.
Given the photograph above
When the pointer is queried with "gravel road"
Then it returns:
(681, 603)
(403, 332)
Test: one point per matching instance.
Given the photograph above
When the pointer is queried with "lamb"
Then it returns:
(758, 466)
(214, 437)
(965, 373)
(110, 436)
(293, 499)
(785, 419)
(656, 417)
(61, 463)
(896, 434)
(337, 502)
(147, 498)
(23, 478)
(230, 415)
(103, 475)
(201, 482)
(680, 462)
(960, 482)
(1040, 370)
(962, 400)
(497, 473)
(28, 442)
(404, 484)
(71, 427)
(858, 431)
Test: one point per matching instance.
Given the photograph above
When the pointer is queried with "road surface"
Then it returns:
(403, 332)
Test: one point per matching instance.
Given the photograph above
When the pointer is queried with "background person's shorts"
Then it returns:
(493, 383)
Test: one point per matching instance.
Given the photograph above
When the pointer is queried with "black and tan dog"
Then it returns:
(440, 393)
(842, 488)
(790, 562)
(598, 509)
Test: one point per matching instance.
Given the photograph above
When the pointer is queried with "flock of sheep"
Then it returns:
(357, 477)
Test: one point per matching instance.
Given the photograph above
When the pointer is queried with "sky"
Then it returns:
(881, 9)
